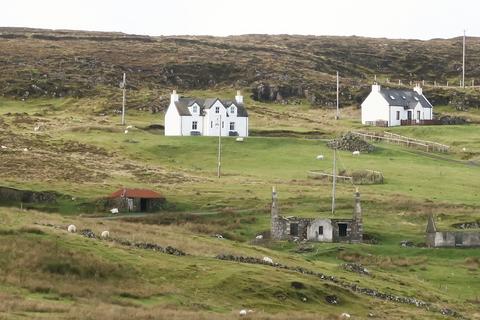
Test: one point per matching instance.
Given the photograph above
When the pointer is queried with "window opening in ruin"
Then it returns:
(294, 229)
(342, 229)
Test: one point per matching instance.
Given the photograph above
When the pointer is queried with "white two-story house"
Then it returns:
(393, 107)
(209, 117)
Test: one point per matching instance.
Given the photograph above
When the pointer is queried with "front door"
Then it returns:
(143, 205)
(409, 115)
(342, 229)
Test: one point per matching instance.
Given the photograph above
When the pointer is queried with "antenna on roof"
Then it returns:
(123, 85)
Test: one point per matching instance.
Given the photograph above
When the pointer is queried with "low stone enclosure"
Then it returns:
(11, 195)
(317, 229)
(450, 239)
(358, 177)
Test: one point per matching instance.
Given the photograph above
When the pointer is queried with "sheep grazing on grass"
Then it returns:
(320, 157)
(72, 229)
(242, 313)
(344, 316)
(4, 147)
(219, 236)
(114, 210)
(239, 139)
(464, 149)
(126, 131)
(25, 150)
(129, 127)
(105, 234)
(356, 153)
(259, 237)
(267, 260)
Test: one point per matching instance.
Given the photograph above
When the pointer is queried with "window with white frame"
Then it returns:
(217, 109)
(232, 126)
(194, 125)
(194, 109)
(232, 109)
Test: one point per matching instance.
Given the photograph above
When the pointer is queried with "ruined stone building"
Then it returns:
(317, 229)
(437, 239)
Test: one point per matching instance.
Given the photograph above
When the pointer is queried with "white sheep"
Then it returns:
(72, 229)
(25, 150)
(464, 149)
(36, 128)
(242, 313)
(105, 234)
(259, 237)
(320, 157)
(239, 139)
(126, 131)
(4, 147)
(344, 316)
(114, 210)
(267, 260)
(129, 127)
(356, 153)
(219, 236)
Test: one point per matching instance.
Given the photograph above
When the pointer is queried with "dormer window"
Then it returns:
(232, 109)
(194, 109)
(217, 109)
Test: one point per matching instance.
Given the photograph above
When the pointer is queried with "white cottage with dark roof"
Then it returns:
(198, 117)
(392, 107)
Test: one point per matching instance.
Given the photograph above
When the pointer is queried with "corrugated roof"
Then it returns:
(135, 193)
(404, 98)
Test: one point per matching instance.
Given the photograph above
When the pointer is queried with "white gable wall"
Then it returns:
(375, 108)
(173, 121)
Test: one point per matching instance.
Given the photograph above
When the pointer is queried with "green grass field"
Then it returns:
(47, 273)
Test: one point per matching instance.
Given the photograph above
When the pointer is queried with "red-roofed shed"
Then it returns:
(135, 200)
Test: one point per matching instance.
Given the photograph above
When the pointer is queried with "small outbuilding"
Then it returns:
(135, 200)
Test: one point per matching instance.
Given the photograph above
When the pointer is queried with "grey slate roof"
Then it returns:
(183, 103)
(404, 98)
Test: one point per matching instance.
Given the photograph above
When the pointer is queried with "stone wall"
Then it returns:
(27, 196)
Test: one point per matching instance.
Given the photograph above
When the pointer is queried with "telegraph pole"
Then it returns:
(123, 85)
(334, 178)
(463, 67)
(337, 116)
(219, 145)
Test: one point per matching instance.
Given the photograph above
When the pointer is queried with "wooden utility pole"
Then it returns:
(123, 86)
(337, 115)
(463, 62)
(334, 173)
(219, 158)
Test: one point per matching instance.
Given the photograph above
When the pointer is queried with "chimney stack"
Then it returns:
(274, 210)
(174, 96)
(418, 89)
(376, 87)
(357, 211)
(239, 97)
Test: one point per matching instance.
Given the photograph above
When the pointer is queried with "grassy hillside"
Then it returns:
(84, 154)
(81, 152)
